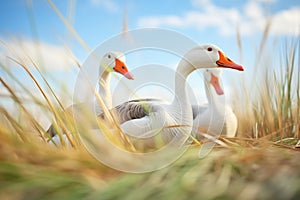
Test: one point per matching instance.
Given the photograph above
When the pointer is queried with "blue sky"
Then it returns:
(205, 21)
(97, 20)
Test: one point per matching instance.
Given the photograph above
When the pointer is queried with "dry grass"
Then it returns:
(261, 163)
(270, 103)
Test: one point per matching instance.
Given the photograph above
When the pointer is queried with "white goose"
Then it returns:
(216, 117)
(110, 62)
(150, 123)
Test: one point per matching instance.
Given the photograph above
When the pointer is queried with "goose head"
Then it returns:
(212, 77)
(210, 56)
(115, 62)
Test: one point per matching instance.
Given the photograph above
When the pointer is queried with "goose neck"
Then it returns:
(104, 88)
(213, 99)
(183, 70)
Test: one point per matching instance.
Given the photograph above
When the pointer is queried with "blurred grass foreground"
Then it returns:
(262, 162)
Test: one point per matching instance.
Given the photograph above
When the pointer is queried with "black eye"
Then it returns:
(123, 67)
(229, 59)
(109, 56)
(209, 49)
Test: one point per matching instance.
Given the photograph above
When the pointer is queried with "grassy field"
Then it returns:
(263, 162)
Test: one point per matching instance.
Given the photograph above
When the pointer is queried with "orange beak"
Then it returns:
(122, 69)
(227, 63)
(216, 84)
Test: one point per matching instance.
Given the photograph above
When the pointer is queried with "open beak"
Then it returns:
(215, 81)
(122, 69)
(227, 63)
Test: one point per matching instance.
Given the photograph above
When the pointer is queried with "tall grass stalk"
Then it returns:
(272, 110)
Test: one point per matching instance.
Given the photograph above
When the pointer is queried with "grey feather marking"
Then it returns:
(135, 109)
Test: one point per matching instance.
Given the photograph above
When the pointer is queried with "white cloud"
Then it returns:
(251, 19)
(253, 10)
(46, 56)
(286, 22)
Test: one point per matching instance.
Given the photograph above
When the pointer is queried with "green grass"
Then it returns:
(253, 169)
